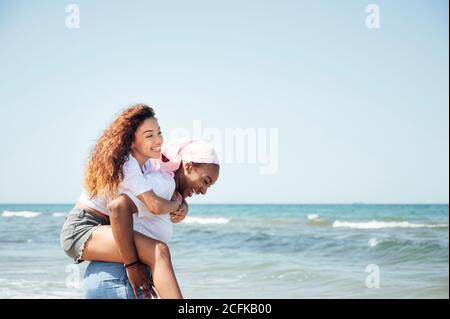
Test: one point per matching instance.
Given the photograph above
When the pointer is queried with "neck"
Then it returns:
(177, 174)
(139, 158)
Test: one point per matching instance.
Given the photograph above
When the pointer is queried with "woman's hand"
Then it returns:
(177, 197)
(180, 214)
(139, 278)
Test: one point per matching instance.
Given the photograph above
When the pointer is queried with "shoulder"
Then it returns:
(131, 165)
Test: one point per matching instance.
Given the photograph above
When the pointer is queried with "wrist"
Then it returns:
(132, 264)
(175, 205)
(129, 254)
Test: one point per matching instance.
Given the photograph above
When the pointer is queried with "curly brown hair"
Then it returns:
(104, 170)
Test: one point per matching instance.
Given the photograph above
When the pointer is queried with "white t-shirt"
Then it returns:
(133, 181)
(155, 226)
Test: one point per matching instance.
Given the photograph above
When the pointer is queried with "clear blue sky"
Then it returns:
(362, 113)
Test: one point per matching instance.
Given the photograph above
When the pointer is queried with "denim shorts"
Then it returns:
(77, 229)
(104, 280)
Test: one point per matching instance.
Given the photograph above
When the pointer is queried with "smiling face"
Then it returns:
(147, 140)
(196, 178)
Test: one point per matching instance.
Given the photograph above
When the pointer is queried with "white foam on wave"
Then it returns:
(314, 219)
(37, 289)
(380, 225)
(373, 242)
(205, 220)
(24, 214)
(59, 214)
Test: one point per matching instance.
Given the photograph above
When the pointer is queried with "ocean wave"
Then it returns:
(205, 220)
(373, 242)
(24, 214)
(15, 240)
(59, 214)
(314, 219)
(374, 224)
(34, 289)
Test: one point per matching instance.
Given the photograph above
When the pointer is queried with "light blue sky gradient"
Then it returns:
(362, 113)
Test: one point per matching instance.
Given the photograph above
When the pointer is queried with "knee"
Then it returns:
(119, 204)
(162, 252)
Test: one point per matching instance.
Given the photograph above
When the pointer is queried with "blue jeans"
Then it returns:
(104, 280)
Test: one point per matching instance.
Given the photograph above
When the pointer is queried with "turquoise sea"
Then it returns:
(255, 251)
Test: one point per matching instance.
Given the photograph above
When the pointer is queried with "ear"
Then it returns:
(188, 167)
(133, 141)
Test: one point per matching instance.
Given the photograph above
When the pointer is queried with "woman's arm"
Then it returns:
(121, 218)
(135, 182)
(158, 205)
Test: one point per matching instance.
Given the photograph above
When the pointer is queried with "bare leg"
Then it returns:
(154, 253)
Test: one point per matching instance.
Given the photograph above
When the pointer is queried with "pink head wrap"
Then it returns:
(186, 149)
